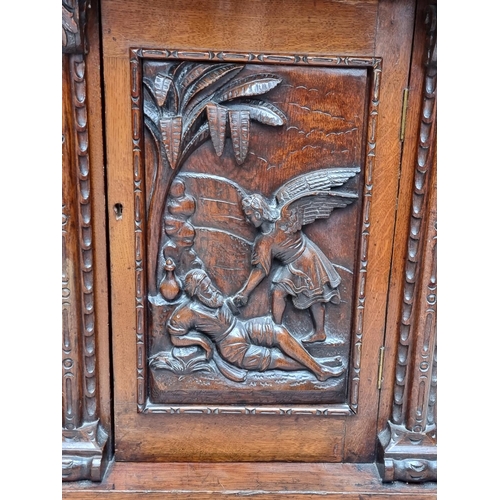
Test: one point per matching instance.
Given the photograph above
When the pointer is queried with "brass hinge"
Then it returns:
(380, 367)
(403, 115)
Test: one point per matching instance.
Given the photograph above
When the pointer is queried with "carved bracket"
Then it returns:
(83, 450)
(407, 456)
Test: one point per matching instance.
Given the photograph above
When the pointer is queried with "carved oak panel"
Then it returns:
(252, 188)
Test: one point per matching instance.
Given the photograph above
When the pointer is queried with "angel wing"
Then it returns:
(310, 197)
(323, 180)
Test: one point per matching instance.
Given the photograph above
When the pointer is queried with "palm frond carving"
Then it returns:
(188, 103)
(189, 99)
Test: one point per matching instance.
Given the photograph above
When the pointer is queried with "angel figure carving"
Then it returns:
(305, 273)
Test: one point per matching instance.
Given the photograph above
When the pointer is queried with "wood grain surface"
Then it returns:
(312, 27)
(395, 20)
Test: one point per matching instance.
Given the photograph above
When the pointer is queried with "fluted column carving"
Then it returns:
(83, 437)
(407, 446)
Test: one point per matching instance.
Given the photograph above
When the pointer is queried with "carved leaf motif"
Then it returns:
(193, 120)
(69, 25)
(217, 119)
(181, 70)
(151, 111)
(68, 21)
(263, 112)
(239, 121)
(192, 75)
(149, 86)
(212, 76)
(248, 86)
(201, 135)
(180, 73)
(171, 128)
(161, 88)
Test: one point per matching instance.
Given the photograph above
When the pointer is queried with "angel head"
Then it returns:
(257, 210)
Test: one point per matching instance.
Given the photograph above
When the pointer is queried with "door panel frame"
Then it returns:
(199, 437)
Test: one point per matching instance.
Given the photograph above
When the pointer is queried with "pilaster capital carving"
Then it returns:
(73, 25)
(431, 43)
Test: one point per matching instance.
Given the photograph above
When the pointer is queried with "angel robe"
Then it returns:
(306, 274)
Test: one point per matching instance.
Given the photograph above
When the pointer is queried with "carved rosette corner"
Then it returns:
(408, 445)
(84, 440)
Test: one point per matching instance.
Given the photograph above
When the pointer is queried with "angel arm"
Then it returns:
(256, 276)
(261, 266)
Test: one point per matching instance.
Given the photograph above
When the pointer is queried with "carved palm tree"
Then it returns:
(189, 103)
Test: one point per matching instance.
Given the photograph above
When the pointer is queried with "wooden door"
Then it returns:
(253, 156)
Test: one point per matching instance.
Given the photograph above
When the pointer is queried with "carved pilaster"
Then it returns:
(407, 447)
(83, 437)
